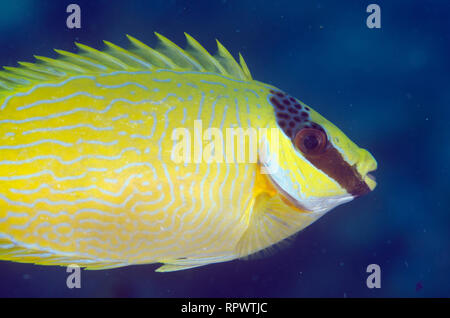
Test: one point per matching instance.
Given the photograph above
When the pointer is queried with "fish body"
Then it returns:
(88, 173)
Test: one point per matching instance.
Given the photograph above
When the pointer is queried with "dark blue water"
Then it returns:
(388, 89)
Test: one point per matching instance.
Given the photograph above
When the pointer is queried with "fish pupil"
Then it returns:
(310, 142)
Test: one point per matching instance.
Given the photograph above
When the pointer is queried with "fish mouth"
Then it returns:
(370, 180)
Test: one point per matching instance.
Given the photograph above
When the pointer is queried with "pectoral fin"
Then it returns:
(272, 221)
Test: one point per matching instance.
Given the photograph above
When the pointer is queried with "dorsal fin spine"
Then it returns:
(59, 64)
(176, 53)
(42, 69)
(26, 73)
(228, 62)
(5, 86)
(14, 78)
(244, 67)
(101, 56)
(84, 60)
(203, 56)
(115, 49)
(152, 54)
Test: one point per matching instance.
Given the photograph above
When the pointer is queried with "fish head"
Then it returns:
(316, 167)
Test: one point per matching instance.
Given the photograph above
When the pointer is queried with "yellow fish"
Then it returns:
(90, 169)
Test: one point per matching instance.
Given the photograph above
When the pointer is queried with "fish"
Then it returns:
(100, 164)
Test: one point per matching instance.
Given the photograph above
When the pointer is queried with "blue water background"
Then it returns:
(388, 89)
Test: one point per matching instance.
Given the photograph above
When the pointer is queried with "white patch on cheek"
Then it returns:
(283, 180)
(291, 186)
(322, 205)
(318, 205)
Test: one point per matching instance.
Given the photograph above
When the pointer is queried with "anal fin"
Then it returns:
(173, 268)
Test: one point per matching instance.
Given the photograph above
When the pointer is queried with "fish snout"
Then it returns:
(365, 167)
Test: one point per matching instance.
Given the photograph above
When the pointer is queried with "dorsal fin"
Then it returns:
(166, 55)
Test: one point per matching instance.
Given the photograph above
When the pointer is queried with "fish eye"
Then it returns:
(311, 141)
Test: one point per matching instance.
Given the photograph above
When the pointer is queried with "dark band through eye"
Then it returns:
(314, 145)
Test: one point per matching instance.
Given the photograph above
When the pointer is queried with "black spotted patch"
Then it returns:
(290, 114)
